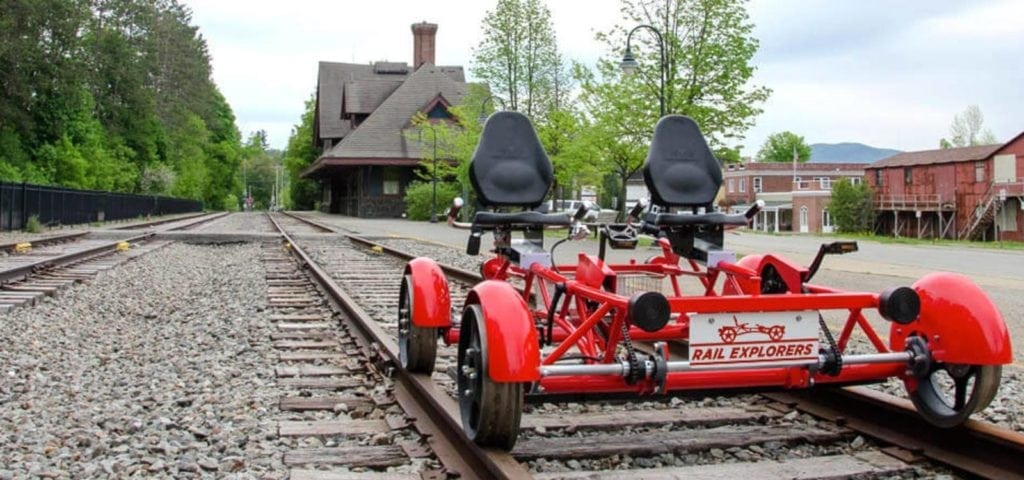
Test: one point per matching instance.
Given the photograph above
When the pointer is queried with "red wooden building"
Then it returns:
(957, 193)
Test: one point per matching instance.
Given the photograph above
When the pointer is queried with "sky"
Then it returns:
(884, 73)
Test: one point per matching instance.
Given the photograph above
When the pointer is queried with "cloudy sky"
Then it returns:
(888, 74)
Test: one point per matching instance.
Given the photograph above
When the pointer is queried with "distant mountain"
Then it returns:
(848, 153)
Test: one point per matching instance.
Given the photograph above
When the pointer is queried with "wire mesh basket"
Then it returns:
(631, 283)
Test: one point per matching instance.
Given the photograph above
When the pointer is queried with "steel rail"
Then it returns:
(9, 247)
(153, 223)
(436, 412)
(977, 448)
(208, 219)
(18, 273)
(313, 223)
(458, 273)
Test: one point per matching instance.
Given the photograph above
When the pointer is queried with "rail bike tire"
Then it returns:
(950, 393)
(417, 346)
(491, 411)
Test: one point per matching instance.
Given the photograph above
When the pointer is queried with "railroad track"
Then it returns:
(52, 264)
(660, 432)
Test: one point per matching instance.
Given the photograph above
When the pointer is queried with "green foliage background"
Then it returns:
(851, 207)
(779, 148)
(114, 95)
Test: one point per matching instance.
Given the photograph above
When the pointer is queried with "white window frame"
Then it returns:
(825, 183)
(756, 184)
(743, 185)
(854, 181)
(732, 185)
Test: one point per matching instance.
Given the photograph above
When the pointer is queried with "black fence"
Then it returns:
(65, 206)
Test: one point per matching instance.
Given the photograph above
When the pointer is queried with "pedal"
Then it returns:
(473, 245)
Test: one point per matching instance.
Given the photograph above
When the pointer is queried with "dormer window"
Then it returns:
(439, 112)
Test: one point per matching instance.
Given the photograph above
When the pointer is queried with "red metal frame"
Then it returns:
(589, 319)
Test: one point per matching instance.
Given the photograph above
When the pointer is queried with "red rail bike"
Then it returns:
(536, 329)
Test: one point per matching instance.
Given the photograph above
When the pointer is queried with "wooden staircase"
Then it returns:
(984, 215)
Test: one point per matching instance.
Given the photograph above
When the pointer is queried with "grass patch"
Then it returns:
(32, 225)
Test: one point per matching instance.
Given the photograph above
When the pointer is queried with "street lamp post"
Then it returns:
(629, 63)
(433, 180)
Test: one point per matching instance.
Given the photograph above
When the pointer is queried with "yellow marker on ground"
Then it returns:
(23, 247)
(377, 249)
(123, 246)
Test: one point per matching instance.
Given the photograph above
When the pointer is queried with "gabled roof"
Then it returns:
(383, 134)
(360, 88)
(933, 157)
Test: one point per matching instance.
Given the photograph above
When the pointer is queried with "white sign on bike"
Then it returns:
(734, 338)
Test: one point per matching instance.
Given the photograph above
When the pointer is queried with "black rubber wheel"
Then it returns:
(950, 393)
(491, 411)
(417, 346)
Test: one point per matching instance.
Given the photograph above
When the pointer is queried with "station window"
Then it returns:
(392, 177)
(979, 171)
(732, 185)
(756, 183)
(908, 175)
(825, 183)
(743, 185)
(879, 177)
(854, 181)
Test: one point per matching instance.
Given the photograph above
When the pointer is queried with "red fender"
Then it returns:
(513, 351)
(431, 306)
(747, 286)
(959, 321)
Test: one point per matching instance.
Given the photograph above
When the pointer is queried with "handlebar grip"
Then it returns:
(637, 209)
(754, 209)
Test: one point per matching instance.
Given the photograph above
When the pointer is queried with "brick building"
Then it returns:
(362, 126)
(795, 200)
(962, 193)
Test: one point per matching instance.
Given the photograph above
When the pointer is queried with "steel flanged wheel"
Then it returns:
(417, 346)
(950, 393)
(491, 411)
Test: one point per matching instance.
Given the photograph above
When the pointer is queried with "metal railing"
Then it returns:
(912, 202)
(66, 206)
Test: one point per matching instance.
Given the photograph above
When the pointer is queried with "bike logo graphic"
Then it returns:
(729, 333)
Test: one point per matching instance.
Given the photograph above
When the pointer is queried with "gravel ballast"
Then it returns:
(158, 368)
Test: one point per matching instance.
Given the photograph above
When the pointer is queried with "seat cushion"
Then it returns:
(714, 218)
(680, 170)
(493, 219)
(509, 166)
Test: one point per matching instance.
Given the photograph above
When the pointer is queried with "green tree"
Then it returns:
(518, 57)
(709, 46)
(298, 156)
(968, 130)
(852, 207)
(780, 148)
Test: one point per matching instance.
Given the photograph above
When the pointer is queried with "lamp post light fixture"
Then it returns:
(483, 106)
(629, 64)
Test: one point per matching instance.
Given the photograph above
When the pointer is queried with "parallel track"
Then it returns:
(61, 261)
(976, 448)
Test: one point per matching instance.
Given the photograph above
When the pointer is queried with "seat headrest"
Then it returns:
(509, 166)
(680, 170)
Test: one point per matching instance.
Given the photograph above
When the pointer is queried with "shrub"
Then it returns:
(32, 225)
(852, 207)
(418, 198)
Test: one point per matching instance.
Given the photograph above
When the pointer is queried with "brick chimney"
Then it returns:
(423, 34)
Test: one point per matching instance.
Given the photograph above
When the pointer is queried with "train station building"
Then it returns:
(363, 126)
